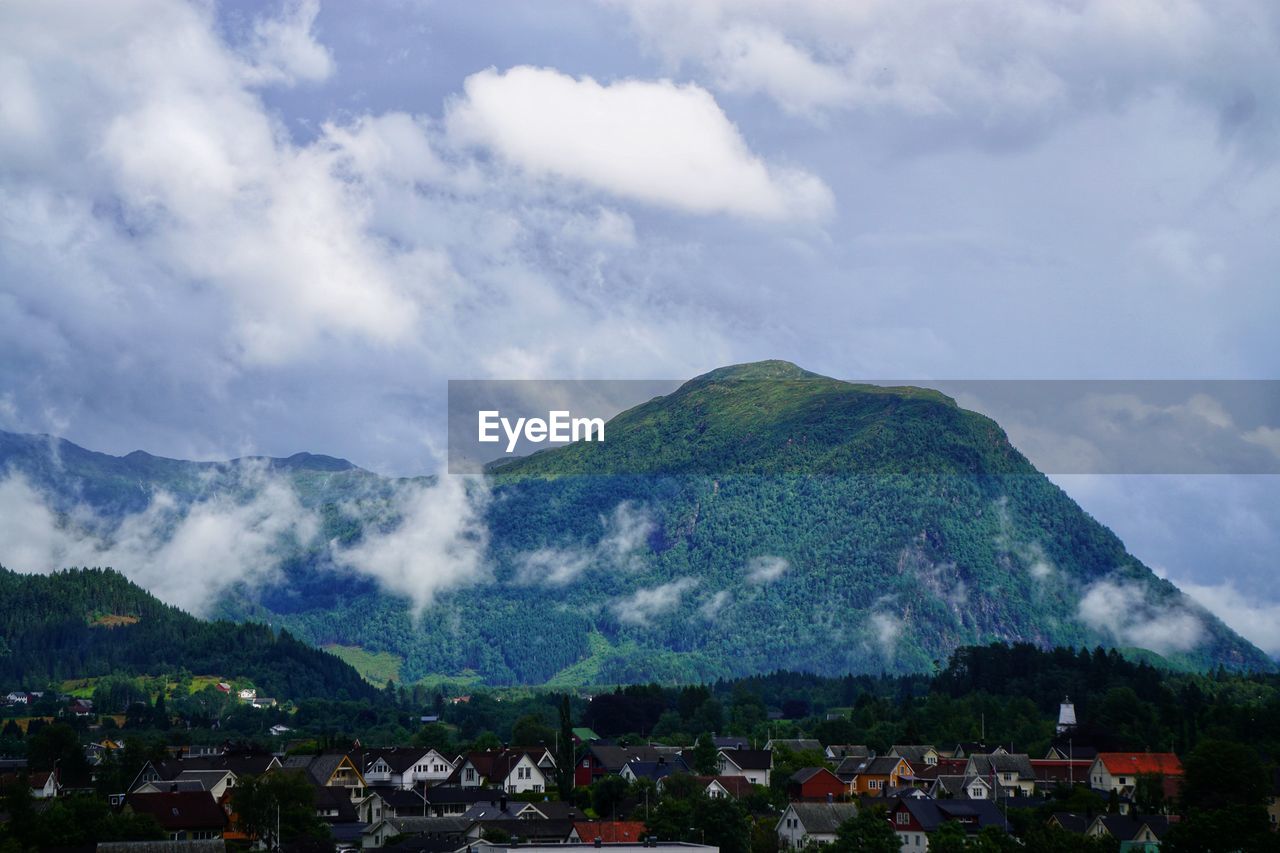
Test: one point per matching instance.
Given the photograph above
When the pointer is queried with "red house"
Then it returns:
(815, 783)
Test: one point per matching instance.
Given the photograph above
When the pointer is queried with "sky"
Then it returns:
(234, 228)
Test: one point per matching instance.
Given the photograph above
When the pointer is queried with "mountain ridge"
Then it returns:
(759, 515)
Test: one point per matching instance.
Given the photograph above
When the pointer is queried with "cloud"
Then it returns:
(766, 569)
(626, 531)
(438, 542)
(992, 66)
(710, 609)
(1255, 619)
(184, 555)
(645, 605)
(1126, 611)
(886, 628)
(657, 142)
(283, 49)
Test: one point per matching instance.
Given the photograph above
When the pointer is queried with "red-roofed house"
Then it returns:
(1119, 771)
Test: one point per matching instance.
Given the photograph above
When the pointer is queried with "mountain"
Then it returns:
(95, 622)
(758, 517)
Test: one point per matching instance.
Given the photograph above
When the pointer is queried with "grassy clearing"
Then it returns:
(374, 667)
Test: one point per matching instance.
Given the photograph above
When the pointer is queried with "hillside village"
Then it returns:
(785, 794)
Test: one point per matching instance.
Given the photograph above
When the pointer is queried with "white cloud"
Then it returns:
(626, 532)
(656, 142)
(766, 569)
(645, 605)
(886, 629)
(990, 63)
(438, 543)
(284, 50)
(1126, 611)
(184, 555)
(710, 609)
(1255, 619)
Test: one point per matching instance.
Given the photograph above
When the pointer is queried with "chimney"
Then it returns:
(599, 841)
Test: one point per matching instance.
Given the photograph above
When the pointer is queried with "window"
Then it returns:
(903, 817)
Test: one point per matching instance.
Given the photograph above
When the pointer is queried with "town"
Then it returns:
(285, 777)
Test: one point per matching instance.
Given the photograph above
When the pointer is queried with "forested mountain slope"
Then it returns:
(759, 517)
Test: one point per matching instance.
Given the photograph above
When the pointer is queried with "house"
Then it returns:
(279, 729)
(815, 783)
(329, 770)
(601, 759)
(241, 762)
(919, 757)
(248, 694)
(840, 751)
(1054, 772)
(1011, 773)
(216, 782)
(183, 815)
(655, 770)
(79, 708)
(263, 702)
(805, 824)
(960, 788)
(873, 775)
(914, 819)
(729, 787)
(754, 764)
(20, 697)
(1119, 771)
(454, 800)
(794, 744)
(44, 785)
(516, 771)
(406, 767)
(438, 833)
(1133, 832)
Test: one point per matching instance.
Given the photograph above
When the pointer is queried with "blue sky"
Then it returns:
(246, 228)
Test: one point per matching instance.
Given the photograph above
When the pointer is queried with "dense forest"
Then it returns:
(95, 622)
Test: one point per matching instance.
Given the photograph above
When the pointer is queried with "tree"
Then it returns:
(530, 730)
(284, 799)
(706, 758)
(950, 837)
(434, 736)
(868, 832)
(567, 758)
(607, 794)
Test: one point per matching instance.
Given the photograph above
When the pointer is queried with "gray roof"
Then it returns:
(823, 818)
(914, 753)
(932, 813)
(796, 744)
(1020, 763)
(844, 750)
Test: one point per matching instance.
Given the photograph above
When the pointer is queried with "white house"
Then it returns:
(754, 764)
(515, 771)
(806, 824)
(406, 768)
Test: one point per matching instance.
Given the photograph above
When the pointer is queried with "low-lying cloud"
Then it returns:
(183, 554)
(626, 531)
(645, 605)
(1126, 611)
(439, 542)
(766, 569)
